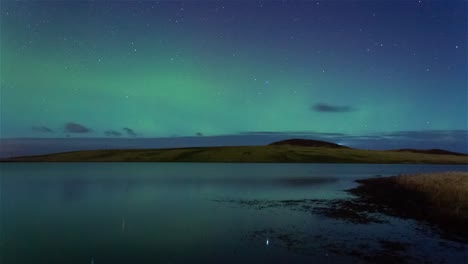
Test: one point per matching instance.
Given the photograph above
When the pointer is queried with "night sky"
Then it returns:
(348, 71)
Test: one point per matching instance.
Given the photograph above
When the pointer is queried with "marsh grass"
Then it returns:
(437, 198)
(446, 193)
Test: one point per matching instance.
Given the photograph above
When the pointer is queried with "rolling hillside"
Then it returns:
(279, 153)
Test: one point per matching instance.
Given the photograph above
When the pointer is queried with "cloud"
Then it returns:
(42, 129)
(76, 128)
(328, 108)
(129, 131)
(112, 133)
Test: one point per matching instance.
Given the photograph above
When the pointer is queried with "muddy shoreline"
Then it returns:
(374, 201)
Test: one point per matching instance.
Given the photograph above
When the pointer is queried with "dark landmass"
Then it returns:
(432, 151)
(293, 151)
(307, 143)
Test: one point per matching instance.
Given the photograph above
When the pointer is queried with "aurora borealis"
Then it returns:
(162, 69)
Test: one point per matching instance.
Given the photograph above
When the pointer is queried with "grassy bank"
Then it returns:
(283, 153)
(438, 198)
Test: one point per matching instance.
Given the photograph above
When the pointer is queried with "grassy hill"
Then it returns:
(307, 143)
(433, 151)
(271, 153)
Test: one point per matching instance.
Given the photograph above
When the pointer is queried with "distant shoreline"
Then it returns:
(250, 154)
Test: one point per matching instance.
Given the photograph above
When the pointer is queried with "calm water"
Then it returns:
(171, 213)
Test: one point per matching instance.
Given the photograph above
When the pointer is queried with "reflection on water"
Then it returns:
(171, 213)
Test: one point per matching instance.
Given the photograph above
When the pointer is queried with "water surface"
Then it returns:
(176, 213)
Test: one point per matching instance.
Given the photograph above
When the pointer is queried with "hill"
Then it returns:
(307, 143)
(432, 151)
(278, 152)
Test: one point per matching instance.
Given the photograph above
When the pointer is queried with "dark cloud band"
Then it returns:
(72, 127)
(328, 108)
(112, 133)
(130, 132)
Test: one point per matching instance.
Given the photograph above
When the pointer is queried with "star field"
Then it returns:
(167, 68)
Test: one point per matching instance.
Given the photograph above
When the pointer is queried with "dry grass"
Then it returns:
(253, 154)
(446, 192)
(439, 198)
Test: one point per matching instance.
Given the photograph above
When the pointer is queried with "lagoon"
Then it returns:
(201, 213)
